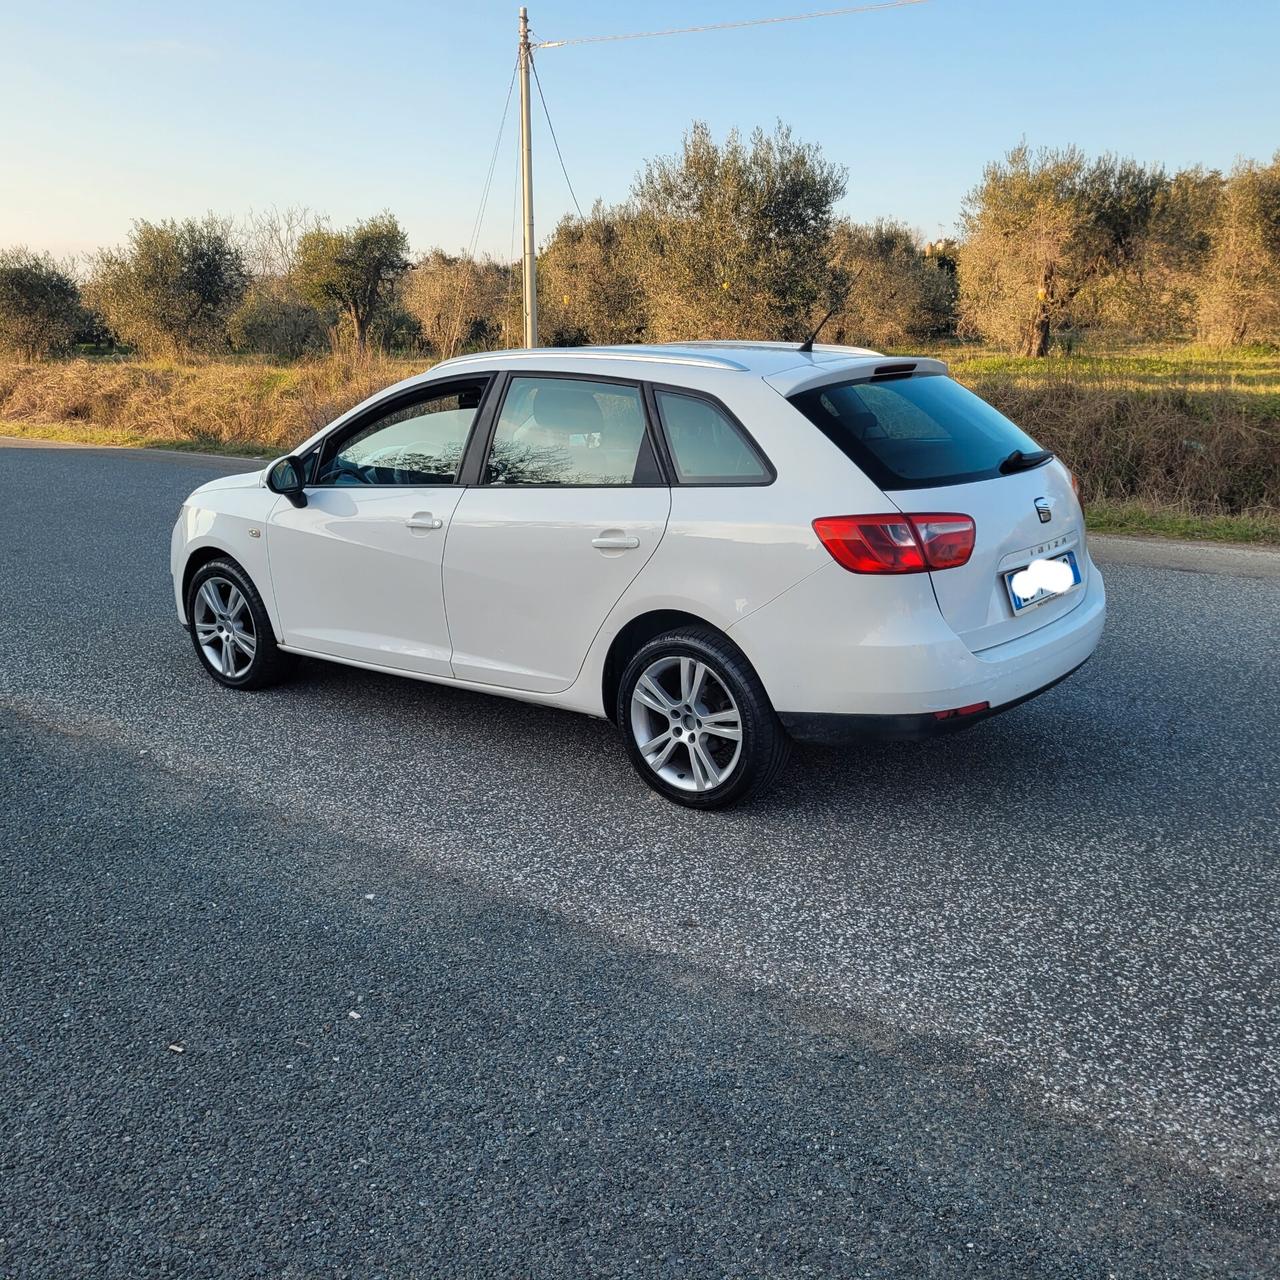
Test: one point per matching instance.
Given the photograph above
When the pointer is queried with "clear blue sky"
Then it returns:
(124, 110)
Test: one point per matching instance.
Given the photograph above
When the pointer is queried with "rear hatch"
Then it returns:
(1009, 534)
(933, 446)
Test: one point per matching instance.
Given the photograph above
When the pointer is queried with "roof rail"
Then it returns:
(640, 354)
(764, 345)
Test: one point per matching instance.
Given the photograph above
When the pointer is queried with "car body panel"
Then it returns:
(358, 573)
(885, 649)
(526, 590)
(228, 519)
(1009, 533)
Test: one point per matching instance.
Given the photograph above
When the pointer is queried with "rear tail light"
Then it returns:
(897, 543)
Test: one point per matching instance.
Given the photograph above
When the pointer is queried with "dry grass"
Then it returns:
(222, 408)
(1161, 437)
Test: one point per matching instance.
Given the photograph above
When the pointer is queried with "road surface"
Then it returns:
(361, 976)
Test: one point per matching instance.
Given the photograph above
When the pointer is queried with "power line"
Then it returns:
(511, 274)
(493, 160)
(726, 26)
(456, 323)
(537, 79)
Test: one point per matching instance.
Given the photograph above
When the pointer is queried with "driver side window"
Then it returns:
(416, 442)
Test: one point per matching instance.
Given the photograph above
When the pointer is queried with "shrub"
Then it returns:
(172, 290)
(269, 322)
(40, 311)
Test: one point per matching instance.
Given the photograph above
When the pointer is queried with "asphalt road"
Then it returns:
(1005, 1004)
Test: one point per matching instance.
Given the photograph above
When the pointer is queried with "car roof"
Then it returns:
(759, 358)
(783, 365)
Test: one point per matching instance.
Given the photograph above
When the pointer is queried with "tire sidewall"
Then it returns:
(747, 698)
(261, 623)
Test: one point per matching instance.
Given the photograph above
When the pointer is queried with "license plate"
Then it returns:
(1022, 603)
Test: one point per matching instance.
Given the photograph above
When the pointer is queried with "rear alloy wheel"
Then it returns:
(697, 722)
(230, 628)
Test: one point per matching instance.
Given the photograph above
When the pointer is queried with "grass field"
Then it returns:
(1180, 441)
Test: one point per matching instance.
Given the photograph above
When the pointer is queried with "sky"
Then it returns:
(111, 112)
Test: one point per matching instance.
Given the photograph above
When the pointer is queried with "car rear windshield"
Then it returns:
(914, 432)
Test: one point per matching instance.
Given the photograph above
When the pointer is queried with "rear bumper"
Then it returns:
(835, 730)
(879, 659)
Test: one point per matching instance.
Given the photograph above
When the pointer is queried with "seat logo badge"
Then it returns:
(1044, 509)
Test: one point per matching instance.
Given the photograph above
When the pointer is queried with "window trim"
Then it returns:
(406, 398)
(726, 482)
(476, 476)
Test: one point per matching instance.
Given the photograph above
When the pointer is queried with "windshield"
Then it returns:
(915, 432)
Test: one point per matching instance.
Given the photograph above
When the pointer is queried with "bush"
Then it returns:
(216, 406)
(270, 323)
(173, 289)
(897, 294)
(40, 311)
(461, 304)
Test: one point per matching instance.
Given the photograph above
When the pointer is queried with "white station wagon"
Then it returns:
(721, 547)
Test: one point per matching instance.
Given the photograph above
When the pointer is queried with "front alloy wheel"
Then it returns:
(697, 722)
(224, 627)
(230, 628)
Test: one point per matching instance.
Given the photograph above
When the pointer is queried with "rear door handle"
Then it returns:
(615, 542)
(423, 520)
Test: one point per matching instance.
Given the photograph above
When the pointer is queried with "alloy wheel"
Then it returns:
(223, 625)
(686, 723)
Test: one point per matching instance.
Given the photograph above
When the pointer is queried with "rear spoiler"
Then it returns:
(810, 374)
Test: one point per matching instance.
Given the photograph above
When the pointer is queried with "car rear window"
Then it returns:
(914, 432)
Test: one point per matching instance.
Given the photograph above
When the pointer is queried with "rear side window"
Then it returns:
(706, 445)
(914, 433)
(571, 431)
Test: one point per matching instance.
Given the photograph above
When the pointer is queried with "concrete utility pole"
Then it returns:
(526, 184)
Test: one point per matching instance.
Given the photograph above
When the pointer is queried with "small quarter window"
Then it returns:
(706, 445)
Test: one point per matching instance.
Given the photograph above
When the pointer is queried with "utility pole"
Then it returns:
(526, 184)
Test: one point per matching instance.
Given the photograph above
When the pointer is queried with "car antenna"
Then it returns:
(807, 345)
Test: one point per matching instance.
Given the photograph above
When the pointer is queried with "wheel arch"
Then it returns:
(202, 556)
(637, 632)
(207, 552)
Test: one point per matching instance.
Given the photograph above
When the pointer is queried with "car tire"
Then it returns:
(230, 629)
(681, 698)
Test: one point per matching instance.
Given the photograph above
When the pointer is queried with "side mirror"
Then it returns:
(285, 477)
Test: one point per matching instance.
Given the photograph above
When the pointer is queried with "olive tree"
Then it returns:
(40, 309)
(734, 238)
(172, 289)
(1239, 299)
(353, 272)
(1040, 230)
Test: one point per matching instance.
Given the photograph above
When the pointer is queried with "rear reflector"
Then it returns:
(971, 710)
(897, 543)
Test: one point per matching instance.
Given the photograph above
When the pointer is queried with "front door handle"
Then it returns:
(423, 520)
(615, 542)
